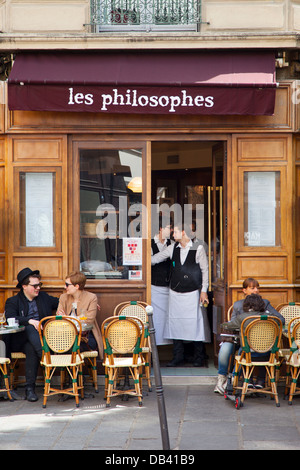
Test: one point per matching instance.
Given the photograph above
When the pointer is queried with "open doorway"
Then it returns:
(194, 173)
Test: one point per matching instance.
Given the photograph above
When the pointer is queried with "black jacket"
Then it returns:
(160, 272)
(17, 306)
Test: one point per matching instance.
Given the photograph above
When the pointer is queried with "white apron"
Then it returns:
(186, 319)
(160, 303)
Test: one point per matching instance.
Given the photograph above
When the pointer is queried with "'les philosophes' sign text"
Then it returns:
(119, 99)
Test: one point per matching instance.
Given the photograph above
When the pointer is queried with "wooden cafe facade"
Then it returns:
(87, 136)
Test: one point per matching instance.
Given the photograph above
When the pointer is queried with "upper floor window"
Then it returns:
(145, 15)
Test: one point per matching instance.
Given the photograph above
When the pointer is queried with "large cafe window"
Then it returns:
(110, 213)
(262, 219)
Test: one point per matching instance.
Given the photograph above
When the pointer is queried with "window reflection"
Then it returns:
(110, 195)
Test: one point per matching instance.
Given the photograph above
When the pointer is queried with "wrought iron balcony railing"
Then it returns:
(130, 15)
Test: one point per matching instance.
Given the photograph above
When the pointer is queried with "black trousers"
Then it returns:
(28, 342)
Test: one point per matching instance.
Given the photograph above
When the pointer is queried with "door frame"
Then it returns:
(145, 141)
(225, 140)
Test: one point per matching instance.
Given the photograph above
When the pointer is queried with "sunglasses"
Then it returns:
(67, 284)
(36, 286)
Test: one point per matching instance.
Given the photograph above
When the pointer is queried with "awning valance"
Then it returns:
(158, 82)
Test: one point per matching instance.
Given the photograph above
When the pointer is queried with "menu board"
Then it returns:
(39, 209)
(261, 198)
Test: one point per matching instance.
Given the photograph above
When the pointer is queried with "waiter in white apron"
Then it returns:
(160, 280)
(186, 320)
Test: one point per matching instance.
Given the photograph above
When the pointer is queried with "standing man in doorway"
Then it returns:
(160, 280)
(29, 306)
(186, 320)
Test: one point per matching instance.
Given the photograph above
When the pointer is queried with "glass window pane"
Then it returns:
(262, 208)
(110, 213)
(37, 217)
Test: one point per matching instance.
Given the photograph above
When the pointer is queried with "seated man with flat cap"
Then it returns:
(28, 307)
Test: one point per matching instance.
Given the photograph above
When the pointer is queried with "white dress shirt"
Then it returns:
(200, 258)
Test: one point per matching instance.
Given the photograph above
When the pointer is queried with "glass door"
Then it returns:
(191, 175)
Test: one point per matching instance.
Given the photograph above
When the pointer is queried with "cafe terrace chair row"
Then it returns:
(126, 347)
(60, 338)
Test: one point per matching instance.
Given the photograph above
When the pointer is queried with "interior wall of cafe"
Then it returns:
(46, 140)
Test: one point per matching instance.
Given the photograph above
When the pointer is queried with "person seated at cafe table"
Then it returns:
(83, 304)
(28, 307)
(253, 305)
(250, 286)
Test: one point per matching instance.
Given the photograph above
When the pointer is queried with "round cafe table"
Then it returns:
(6, 329)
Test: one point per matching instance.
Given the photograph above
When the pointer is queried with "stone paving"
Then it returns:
(198, 419)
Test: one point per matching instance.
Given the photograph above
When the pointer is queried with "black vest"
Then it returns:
(185, 277)
(160, 273)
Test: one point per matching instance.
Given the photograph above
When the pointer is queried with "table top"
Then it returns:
(5, 330)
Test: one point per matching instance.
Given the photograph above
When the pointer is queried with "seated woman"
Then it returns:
(253, 305)
(86, 305)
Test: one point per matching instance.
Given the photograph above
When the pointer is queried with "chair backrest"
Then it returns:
(133, 308)
(60, 334)
(294, 333)
(122, 335)
(261, 333)
(289, 311)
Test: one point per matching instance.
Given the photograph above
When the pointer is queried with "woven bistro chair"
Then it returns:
(261, 334)
(4, 361)
(289, 311)
(137, 309)
(122, 337)
(60, 338)
(293, 359)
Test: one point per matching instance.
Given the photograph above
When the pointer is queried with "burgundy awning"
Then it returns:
(158, 82)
